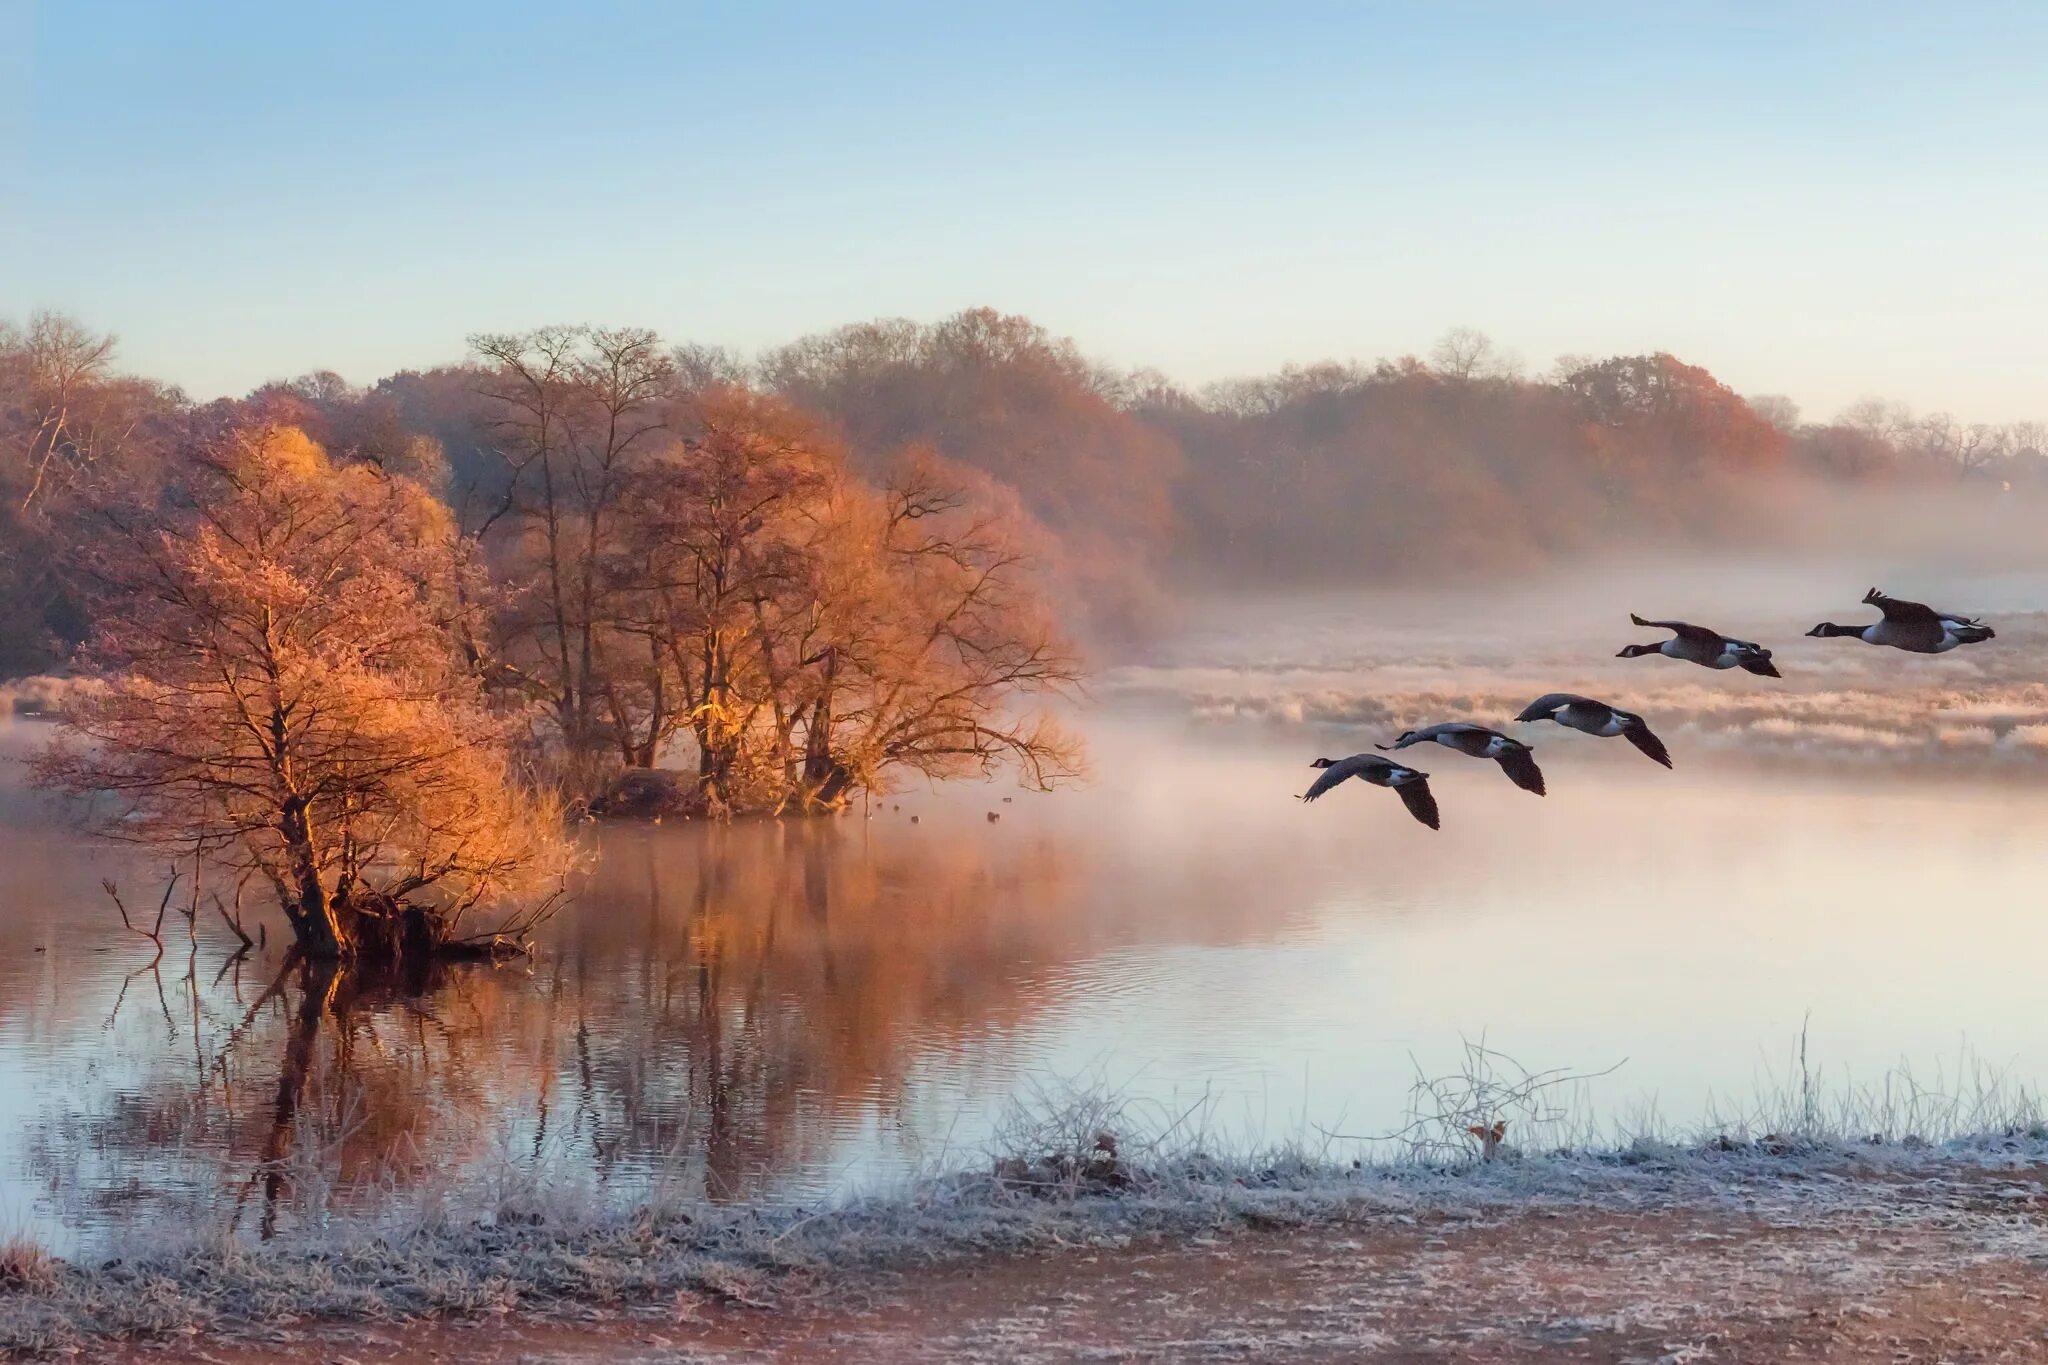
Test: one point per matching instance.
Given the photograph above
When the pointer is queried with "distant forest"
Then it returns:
(1123, 484)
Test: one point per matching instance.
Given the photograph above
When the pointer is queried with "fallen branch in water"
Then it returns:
(234, 921)
(155, 933)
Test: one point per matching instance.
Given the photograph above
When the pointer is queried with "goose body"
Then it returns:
(1412, 785)
(1707, 648)
(1912, 626)
(1591, 717)
(1476, 741)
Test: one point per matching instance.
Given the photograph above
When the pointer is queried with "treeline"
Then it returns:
(1121, 482)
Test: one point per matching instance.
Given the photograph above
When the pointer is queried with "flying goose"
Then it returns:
(1708, 648)
(1381, 772)
(1596, 718)
(1480, 742)
(1911, 626)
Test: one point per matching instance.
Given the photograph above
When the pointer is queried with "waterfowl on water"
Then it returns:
(1479, 742)
(1912, 626)
(1412, 785)
(1708, 648)
(1596, 718)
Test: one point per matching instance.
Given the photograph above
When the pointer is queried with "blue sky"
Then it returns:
(1839, 201)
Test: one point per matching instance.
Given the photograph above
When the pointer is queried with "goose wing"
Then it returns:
(1461, 735)
(1639, 735)
(1685, 630)
(1520, 766)
(1541, 708)
(1426, 735)
(1420, 801)
(1902, 612)
(1763, 668)
(1342, 770)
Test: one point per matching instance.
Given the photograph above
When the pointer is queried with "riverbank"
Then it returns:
(1725, 1251)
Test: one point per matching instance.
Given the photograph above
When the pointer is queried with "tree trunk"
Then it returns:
(316, 920)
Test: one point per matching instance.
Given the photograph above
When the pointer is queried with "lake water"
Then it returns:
(798, 1010)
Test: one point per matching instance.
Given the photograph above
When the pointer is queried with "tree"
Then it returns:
(1850, 453)
(963, 634)
(576, 407)
(817, 635)
(997, 393)
(66, 418)
(1466, 353)
(288, 697)
(719, 542)
(1775, 408)
(351, 424)
(1674, 414)
(54, 371)
(1944, 443)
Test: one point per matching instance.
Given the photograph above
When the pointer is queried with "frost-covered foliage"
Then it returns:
(290, 693)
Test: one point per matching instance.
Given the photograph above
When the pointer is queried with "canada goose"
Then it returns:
(1480, 742)
(1381, 772)
(1911, 626)
(1596, 718)
(1708, 648)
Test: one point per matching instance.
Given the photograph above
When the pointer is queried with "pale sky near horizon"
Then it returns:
(1830, 202)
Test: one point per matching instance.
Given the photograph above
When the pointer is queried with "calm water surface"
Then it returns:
(798, 1010)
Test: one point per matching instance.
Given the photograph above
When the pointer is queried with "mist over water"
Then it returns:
(803, 1009)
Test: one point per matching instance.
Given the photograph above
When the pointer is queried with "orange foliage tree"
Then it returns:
(813, 632)
(289, 695)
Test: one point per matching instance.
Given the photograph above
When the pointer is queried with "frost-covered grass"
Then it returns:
(1072, 1169)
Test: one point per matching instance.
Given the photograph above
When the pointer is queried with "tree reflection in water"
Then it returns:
(719, 1011)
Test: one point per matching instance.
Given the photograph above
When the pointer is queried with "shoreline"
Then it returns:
(532, 1268)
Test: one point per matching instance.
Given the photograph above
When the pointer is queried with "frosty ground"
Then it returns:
(1826, 1251)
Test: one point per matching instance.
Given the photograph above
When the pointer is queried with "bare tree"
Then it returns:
(577, 406)
(56, 365)
(1466, 353)
(1775, 408)
(1944, 442)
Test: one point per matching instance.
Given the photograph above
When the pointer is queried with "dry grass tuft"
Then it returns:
(26, 1266)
